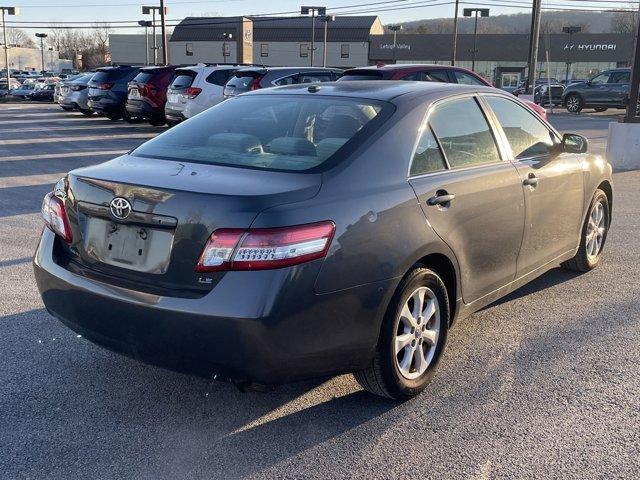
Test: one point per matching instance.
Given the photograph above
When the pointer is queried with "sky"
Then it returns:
(391, 11)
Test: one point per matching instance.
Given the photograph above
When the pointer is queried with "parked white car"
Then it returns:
(194, 89)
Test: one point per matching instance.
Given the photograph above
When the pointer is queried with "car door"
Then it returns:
(596, 91)
(552, 184)
(619, 88)
(471, 197)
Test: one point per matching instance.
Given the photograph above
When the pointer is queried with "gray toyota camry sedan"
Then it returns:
(316, 229)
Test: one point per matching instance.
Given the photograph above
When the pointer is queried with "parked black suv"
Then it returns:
(609, 89)
(108, 91)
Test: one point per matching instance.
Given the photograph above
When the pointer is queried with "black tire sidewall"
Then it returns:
(599, 195)
(399, 386)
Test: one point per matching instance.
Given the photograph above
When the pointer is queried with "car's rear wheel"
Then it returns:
(86, 112)
(593, 236)
(113, 116)
(573, 103)
(172, 123)
(67, 109)
(600, 109)
(157, 121)
(412, 338)
(130, 118)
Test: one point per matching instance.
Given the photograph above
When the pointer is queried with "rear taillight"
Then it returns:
(255, 83)
(192, 92)
(265, 248)
(77, 88)
(105, 86)
(55, 216)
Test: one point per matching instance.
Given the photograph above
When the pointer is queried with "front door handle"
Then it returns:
(531, 180)
(440, 198)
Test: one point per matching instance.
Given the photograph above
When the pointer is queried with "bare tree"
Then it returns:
(625, 22)
(15, 36)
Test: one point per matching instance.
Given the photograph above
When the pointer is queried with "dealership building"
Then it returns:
(360, 40)
(502, 58)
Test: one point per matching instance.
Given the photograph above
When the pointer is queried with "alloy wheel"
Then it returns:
(417, 333)
(573, 104)
(595, 230)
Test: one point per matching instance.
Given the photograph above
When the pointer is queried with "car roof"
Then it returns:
(376, 90)
(406, 66)
(256, 68)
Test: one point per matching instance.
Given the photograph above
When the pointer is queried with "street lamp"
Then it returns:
(570, 30)
(321, 11)
(468, 12)
(42, 36)
(151, 9)
(326, 19)
(225, 50)
(8, 11)
(395, 29)
(146, 24)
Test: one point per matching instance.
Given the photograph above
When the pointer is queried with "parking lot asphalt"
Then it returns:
(543, 384)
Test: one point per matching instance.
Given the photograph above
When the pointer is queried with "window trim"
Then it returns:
(505, 140)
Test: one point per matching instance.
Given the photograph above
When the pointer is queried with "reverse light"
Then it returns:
(55, 216)
(265, 248)
(192, 92)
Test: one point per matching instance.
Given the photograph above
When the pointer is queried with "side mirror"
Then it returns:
(574, 143)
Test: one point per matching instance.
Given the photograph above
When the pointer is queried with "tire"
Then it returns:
(67, 109)
(585, 259)
(172, 123)
(386, 376)
(113, 116)
(86, 112)
(600, 109)
(573, 103)
(157, 121)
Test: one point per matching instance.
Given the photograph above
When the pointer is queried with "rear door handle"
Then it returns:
(531, 180)
(440, 198)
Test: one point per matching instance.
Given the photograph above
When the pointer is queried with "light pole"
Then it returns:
(225, 53)
(326, 19)
(152, 9)
(570, 30)
(395, 29)
(146, 24)
(468, 12)
(42, 36)
(454, 47)
(8, 11)
(321, 11)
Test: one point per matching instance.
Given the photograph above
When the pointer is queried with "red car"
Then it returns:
(426, 73)
(147, 93)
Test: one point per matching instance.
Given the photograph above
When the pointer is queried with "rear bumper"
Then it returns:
(174, 115)
(267, 326)
(104, 105)
(140, 108)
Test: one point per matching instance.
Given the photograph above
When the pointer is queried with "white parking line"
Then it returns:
(30, 180)
(29, 141)
(61, 155)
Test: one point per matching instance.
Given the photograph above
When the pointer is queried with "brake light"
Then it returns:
(105, 86)
(55, 216)
(255, 83)
(192, 92)
(77, 88)
(265, 248)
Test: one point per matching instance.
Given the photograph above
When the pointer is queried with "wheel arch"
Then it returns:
(606, 187)
(445, 268)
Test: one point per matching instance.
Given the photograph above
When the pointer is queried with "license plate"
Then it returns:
(134, 247)
(174, 98)
(134, 93)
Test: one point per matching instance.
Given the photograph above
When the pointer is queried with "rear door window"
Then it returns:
(466, 78)
(464, 133)
(427, 158)
(620, 77)
(219, 77)
(436, 76)
(315, 77)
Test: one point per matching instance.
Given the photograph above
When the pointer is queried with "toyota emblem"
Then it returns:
(120, 208)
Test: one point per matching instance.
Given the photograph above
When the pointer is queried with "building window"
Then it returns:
(226, 49)
(344, 50)
(188, 49)
(304, 50)
(264, 49)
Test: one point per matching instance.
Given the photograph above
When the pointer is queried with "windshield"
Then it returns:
(289, 132)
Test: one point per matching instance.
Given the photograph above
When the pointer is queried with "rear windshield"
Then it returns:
(241, 82)
(182, 80)
(108, 76)
(360, 76)
(273, 132)
(143, 77)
